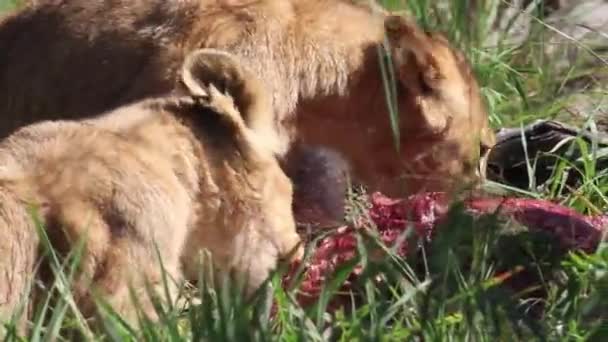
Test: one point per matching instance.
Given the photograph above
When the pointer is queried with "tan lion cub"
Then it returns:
(174, 174)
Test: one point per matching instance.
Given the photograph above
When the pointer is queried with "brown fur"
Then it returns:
(180, 173)
(318, 57)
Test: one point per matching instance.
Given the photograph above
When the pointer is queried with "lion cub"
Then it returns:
(171, 175)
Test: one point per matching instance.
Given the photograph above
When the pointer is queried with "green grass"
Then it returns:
(456, 288)
(6, 5)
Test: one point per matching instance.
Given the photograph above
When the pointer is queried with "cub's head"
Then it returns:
(246, 220)
(442, 121)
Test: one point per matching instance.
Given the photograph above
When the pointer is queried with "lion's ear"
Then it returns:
(250, 145)
(189, 76)
(225, 85)
(415, 53)
(199, 71)
(229, 75)
(222, 69)
(427, 68)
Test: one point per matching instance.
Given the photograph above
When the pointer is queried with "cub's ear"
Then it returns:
(249, 145)
(417, 55)
(225, 85)
(205, 67)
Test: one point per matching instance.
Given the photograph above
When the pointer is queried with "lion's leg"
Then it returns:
(83, 225)
(18, 253)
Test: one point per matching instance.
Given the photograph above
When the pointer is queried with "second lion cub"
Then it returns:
(174, 175)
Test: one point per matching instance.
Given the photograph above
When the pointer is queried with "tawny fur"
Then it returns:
(171, 175)
(18, 251)
(319, 58)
